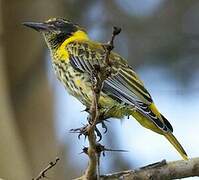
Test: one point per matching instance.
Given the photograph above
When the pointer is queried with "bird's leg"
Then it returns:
(98, 133)
(104, 127)
(81, 131)
(85, 130)
(102, 119)
(103, 124)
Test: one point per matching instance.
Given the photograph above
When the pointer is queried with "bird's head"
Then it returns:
(57, 30)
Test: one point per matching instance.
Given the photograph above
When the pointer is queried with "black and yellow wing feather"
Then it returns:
(124, 85)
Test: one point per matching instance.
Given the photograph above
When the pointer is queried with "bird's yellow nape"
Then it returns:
(76, 36)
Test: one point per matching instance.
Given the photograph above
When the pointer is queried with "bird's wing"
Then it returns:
(84, 55)
(123, 86)
(127, 88)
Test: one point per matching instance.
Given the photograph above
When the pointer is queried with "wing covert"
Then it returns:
(123, 86)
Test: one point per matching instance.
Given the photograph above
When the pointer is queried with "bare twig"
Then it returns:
(110, 45)
(42, 174)
(97, 82)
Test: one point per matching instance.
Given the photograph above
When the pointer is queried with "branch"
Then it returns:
(98, 76)
(42, 174)
(159, 171)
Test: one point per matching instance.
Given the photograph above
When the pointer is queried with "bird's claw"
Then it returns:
(104, 127)
(98, 133)
(85, 130)
(82, 131)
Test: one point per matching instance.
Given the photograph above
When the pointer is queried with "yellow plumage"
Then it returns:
(169, 136)
(61, 51)
(74, 56)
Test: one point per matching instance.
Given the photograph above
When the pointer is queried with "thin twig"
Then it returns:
(110, 45)
(97, 82)
(42, 174)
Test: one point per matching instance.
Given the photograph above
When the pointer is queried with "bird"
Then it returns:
(74, 55)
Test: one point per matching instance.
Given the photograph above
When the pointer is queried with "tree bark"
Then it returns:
(171, 170)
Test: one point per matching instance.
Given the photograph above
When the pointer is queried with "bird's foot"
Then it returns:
(98, 133)
(81, 131)
(104, 126)
(85, 131)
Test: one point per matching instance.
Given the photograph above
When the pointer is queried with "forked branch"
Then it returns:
(42, 174)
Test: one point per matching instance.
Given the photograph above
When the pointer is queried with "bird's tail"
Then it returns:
(172, 139)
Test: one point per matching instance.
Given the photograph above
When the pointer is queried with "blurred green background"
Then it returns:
(160, 40)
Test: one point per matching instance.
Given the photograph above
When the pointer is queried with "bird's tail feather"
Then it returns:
(172, 139)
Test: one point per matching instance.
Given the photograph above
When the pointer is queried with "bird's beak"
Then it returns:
(36, 26)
